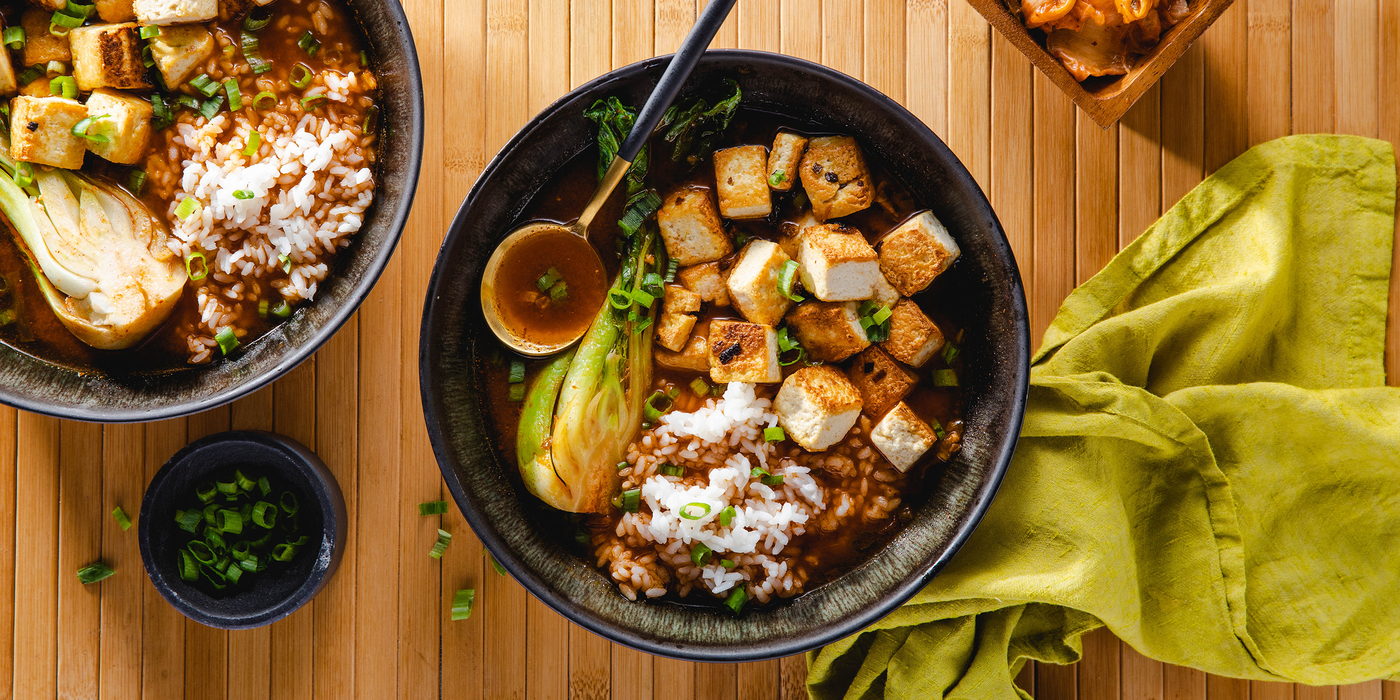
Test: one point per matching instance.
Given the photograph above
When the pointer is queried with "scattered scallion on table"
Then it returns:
(94, 572)
(432, 508)
(123, 521)
(444, 538)
(462, 603)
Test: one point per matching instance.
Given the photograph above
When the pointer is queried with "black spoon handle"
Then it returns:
(674, 78)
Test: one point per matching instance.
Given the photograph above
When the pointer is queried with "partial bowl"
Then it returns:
(528, 541)
(34, 385)
(272, 594)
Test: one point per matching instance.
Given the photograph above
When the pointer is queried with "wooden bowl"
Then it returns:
(1108, 98)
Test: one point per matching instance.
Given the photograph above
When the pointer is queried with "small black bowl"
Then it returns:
(277, 592)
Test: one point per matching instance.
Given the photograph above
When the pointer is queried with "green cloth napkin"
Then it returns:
(1210, 462)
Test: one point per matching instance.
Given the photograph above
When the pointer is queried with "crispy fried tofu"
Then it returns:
(708, 281)
(180, 51)
(677, 319)
(916, 252)
(40, 46)
(741, 178)
(125, 120)
(176, 11)
(753, 283)
(837, 263)
(790, 232)
(743, 352)
(913, 337)
(9, 83)
(49, 5)
(785, 159)
(691, 228)
(829, 330)
(116, 10)
(884, 293)
(817, 406)
(108, 55)
(695, 357)
(835, 177)
(902, 437)
(41, 131)
(881, 381)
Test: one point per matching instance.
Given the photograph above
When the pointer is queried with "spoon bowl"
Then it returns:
(575, 238)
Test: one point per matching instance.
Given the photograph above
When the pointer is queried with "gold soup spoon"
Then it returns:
(577, 245)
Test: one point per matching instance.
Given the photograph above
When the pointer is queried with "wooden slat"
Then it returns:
(1182, 683)
(1307, 692)
(716, 682)
(728, 35)
(9, 436)
(1183, 125)
(1226, 48)
(802, 29)
(163, 628)
(1389, 129)
(80, 532)
(1267, 690)
(793, 670)
(1313, 68)
(293, 639)
(633, 676)
(1096, 191)
(250, 651)
(1011, 181)
(1358, 59)
(123, 479)
(760, 24)
(1139, 167)
(1025, 679)
(335, 388)
(926, 74)
(1141, 676)
(669, 679)
(1218, 688)
(1098, 670)
(206, 648)
(969, 88)
(1053, 276)
(841, 35)
(1370, 690)
(1269, 75)
(1053, 681)
(36, 544)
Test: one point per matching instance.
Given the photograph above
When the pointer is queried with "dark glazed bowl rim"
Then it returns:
(1017, 356)
(324, 488)
(412, 128)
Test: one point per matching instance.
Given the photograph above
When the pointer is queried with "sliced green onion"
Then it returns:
(741, 239)
(643, 298)
(160, 114)
(311, 102)
(950, 354)
(726, 516)
(215, 540)
(727, 563)
(14, 38)
(30, 75)
(206, 491)
(651, 282)
(282, 310)
(689, 514)
(264, 486)
(774, 434)
(559, 292)
(444, 539)
(228, 521)
(264, 95)
(737, 599)
(254, 143)
(882, 315)
(432, 508)
(786, 344)
(233, 573)
(199, 274)
(235, 96)
(136, 180)
(146, 59)
(189, 569)
(671, 269)
(286, 263)
(204, 84)
(228, 342)
(253, 24)
(187, 101)
(619, 299)
(251, 51)
(94, 572)
(309, 44)
(777, 177)
(201, 552)
(244, 483)
(302, 80)
(262, 308)
(938, 430)
(60, 24)
(150, 31)
(945, 377)
(700, 554)
(123, 521)
(64, 86)
(264, 514)
(288, 503)
(364, 59)
(210, 107)
(875, 321)
(81, 128)
(700, 387)
(188, 206)
(188, 520)
(622, 465)
(671, 469)
(371, 119)
(787, 281)
(517, 393)
(632, 500)
(517, 372)
(209, 512)
(240, 551)
(462, 603)
(284, 552)
(548, 279)
(242, 194)
(77, 9)
(500, 570)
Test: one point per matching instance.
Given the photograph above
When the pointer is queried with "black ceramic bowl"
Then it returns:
(269, 595)
(984, 293)
(35, 385)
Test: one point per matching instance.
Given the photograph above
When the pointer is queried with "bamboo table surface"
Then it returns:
(1069, 194)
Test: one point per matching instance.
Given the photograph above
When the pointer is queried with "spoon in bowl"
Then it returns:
(574, 245)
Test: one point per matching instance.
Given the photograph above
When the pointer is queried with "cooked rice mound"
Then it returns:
(720, 445)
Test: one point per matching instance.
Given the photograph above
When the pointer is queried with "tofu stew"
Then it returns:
(176, 177)
(769, 378)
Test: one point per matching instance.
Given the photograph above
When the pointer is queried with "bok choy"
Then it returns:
(98, 255)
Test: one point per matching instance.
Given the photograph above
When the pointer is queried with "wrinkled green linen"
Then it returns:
(1210, 462)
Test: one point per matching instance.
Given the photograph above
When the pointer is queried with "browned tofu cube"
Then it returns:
(830, 331)
(835, 177)
(676, 317)
(790, 232)
(49, 5)
(116, 10)
(41, 131)
(40, 46)
(785, 159)
(881, 380)
(9, 83)
(175, 11)
(742, 181)
(837, 263)
(916, 252)
(180, 51)
(743, 352)
(902, 437)
(817, 406)
(913, 337)
(691, 228)
(884, 293)
(108, 55)
(708, 281)
(695, 357)
(125, 120)
(753, 283)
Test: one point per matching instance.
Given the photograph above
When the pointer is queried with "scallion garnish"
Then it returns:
(462, 603)
(286, 263)
(284, 552)
(14, 38)
(364, 59)
(64, 86)
(254, 143)
(700, 554)
(262, 308)
(309, 44)
(695, 510)
(444, 538)
(622, 465)
(94, 572)
(500, 570)
(737, 599)
(432, 508)
(517, 372)
(288, 503)
(371, 119)
(300, 81)
(631, 500)
(311, 102)
(188, 519)
(136, 181)
(700, 387)
(210, 107)
(772, 480)
(950, 354)
(789, 350)
(517, 393)
(187, 206)
(875, 320)
(228, 342)
(123, 521)
(229, 521)
(671, 269)
(204, 84)
(235, 96)
(620, 299)
(652, 411)
(81, 128)
(559, 292)
(727, 563)
(264, 95)
(777, 177)
(787, 281)
(945, 377)
(242, 194)
(670, 469)
(282, 310)
(774, 434)
(61, 23)
(189, 569)
(190, 269)
(726, 516)
(264, 515)
(150, 31)
(548, 279)
(251, 51)
(253, 22)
